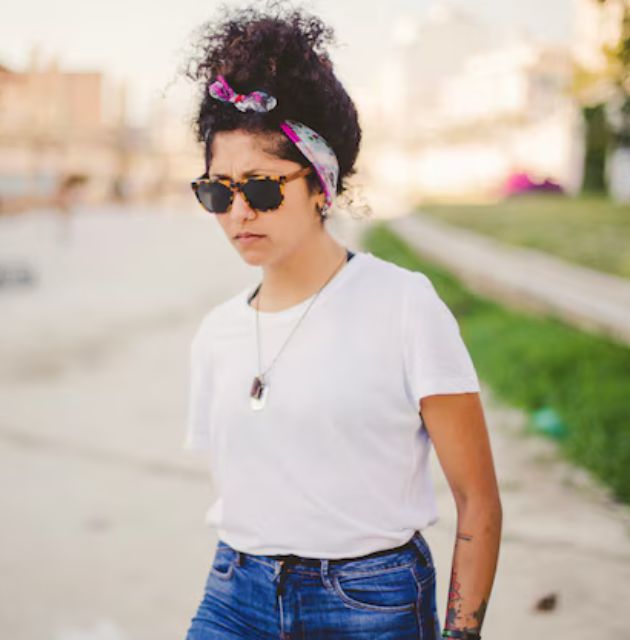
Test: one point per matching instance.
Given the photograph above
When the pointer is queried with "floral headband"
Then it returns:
(316, 150)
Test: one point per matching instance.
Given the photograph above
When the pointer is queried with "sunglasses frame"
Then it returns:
(237, 186)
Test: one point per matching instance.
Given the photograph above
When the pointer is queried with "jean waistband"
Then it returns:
(290, 557)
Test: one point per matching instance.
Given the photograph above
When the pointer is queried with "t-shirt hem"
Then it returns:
(318, 552)
(437, 386)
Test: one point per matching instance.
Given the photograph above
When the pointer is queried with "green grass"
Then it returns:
(534, 362)
(592, 231)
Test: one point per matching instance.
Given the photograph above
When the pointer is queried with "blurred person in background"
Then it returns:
(319, 392)
(69, 192)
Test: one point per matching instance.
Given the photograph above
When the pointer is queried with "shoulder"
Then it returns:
(420, 304)
(220, 314)
(398, 278)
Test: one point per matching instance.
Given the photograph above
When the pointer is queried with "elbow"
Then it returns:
(480, 504)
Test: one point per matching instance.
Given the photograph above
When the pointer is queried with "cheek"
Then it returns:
(295, 216)
(223, 221)
(299, 200)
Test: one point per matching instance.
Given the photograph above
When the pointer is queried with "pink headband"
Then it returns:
(314, 148)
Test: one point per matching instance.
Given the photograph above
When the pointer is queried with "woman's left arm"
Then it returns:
(456, 425)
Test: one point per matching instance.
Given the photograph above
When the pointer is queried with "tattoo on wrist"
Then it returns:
(454, 616)
(480, 613)
(454, 600)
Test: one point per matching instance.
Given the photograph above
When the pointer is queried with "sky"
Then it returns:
(147, 42)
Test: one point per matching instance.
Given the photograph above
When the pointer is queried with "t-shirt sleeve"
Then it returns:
(436, 360)
(197, 436)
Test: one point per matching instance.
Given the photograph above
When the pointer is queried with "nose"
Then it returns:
(240, 208)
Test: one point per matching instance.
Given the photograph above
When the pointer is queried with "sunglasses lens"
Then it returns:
(214, 196)
(263, 195)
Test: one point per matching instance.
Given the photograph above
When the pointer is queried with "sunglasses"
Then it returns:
(264, 193)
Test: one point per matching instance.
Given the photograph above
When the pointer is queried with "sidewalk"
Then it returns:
(523, 277)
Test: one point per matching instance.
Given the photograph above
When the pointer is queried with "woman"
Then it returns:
(318, 392)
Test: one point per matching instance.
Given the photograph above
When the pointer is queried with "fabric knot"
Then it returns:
(255, 101)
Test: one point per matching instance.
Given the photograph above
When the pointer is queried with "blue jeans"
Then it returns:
(389, 595)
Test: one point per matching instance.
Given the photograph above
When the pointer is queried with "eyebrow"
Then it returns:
(247, 174)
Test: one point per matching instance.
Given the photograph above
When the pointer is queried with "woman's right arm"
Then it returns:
(456, 425)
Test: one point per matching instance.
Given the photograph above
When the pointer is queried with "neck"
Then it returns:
(300, 274)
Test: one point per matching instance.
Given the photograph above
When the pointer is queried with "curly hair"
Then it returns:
(282, 52)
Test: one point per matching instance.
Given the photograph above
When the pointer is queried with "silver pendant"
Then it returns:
(258, 394)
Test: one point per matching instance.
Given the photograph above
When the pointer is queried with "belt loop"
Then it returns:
(239, 558)
(277, 569)
(324, 572)
(422, 548)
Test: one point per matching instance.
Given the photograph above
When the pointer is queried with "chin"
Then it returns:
(254, 258)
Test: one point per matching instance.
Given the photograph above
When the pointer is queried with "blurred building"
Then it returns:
(55, 123)
(467, 108)
(511, 110)
(425, 52)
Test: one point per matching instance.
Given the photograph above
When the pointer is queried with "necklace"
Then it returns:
(260, 387)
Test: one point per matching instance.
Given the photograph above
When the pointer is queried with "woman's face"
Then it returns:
(283, 230)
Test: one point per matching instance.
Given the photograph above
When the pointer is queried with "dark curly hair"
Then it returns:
(283, 53)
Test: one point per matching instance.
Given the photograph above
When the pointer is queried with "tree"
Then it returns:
(605, 98)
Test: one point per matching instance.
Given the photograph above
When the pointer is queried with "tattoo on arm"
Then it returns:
(454, 601)
(480, 613)
(454, 617)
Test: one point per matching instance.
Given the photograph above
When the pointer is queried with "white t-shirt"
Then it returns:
(336, 463)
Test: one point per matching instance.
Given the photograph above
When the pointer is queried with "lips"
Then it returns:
(248, 235)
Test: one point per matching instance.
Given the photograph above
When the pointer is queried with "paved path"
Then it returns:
(102, 533)
(523, 277)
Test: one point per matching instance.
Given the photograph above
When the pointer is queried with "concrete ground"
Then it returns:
(102, 534)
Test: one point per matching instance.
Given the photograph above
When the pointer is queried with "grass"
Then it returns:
(536, 362)
(588, 230)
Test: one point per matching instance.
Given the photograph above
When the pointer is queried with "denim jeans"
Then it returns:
(389, 596)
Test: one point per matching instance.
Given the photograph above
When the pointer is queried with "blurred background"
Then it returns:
(495, 159)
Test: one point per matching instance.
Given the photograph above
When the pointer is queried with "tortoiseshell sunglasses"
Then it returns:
(264, 193)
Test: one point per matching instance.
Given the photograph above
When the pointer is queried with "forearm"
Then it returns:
(474, 564)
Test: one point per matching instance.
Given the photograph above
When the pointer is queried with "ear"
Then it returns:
(321, 202)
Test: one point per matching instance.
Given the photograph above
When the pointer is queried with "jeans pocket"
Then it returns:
(393, 589)
(223, 563)
(428, 618)
(423, 550)
(423, 575)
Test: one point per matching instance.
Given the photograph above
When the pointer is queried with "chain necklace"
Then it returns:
(260, 387)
